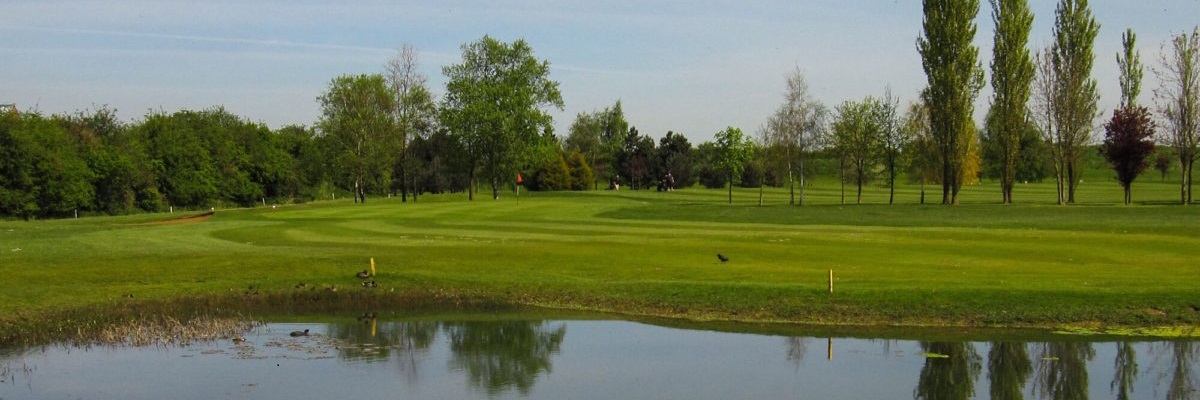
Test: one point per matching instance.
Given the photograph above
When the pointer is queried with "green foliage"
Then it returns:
(675, 157)
(1179, 104)
(1130, 64)
(41, 171)
(581, 174)
(950, 60)
(553, 174)
(636, 160)
(1012, 75)
(493, 105)
(734, 150)
(709, 174)
(1032, 163)
(357, 119)
(1076, 102)
(857, 140)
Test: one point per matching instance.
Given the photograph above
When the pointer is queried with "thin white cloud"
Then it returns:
(211, 39)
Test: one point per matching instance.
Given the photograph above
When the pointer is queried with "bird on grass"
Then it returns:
(722, 257)
(299, 333)
(301, 285)
(370, 284)
(365, 318)
(363, 275)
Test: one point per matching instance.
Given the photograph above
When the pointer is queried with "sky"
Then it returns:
(689, 66)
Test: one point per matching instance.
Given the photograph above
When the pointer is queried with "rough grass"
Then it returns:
(980, 264)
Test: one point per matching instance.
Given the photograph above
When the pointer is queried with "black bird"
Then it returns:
(370, 284)
(363, 275)
(367, 317)
(299, 333)
(722, 257)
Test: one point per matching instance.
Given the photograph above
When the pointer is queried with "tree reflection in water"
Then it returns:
(1183, 382)
(949, 371)
(1062, 373)
(1125, 370)
(496, 355)
(499, 355)
(1008, 370)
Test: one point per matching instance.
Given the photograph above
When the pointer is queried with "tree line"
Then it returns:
(387, 134)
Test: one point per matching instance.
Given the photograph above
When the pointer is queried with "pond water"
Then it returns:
(585, 359)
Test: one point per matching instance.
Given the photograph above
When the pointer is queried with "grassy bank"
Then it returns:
(1034, 264)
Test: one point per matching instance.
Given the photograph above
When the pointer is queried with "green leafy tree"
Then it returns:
(357, 117)
(414, 112)
(114, 175)
(494, 104)
(734, 150)
(581, 174)
(950, 60)
(1178, 99)
(1012, 75)
(1163, 164)
(183, 163)
(1130, 64)
(708, 173)
(309, 170)
(553, 174)
(614, 132)
(675, 157)
(892, 139)
(924, 165)
(637, 159)
(857, 139)
(41, 171)
(1075, 108)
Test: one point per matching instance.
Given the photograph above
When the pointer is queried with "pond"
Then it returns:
(595, 359)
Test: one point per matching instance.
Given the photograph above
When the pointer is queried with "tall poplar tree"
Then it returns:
(1178, 99)
(951, 63)
(1130, 64)
(1012, 74)
(1071, 57)
(1128, 136)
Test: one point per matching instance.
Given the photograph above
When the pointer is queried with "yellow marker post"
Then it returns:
(372, 327)
(372, 266)
(831, 281)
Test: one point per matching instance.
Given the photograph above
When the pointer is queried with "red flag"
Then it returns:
(519, 181)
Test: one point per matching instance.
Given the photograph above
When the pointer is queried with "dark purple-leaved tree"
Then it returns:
(1128, 144)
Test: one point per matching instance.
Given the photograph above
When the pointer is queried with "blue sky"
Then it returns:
(692, 66)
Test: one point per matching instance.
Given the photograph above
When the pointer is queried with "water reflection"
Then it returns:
(1063, 374)
(473, 358)
(949, 372)
(495, 355)
(499, 355)
(1009, 368)
(1125, 370)
(1183, 382)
